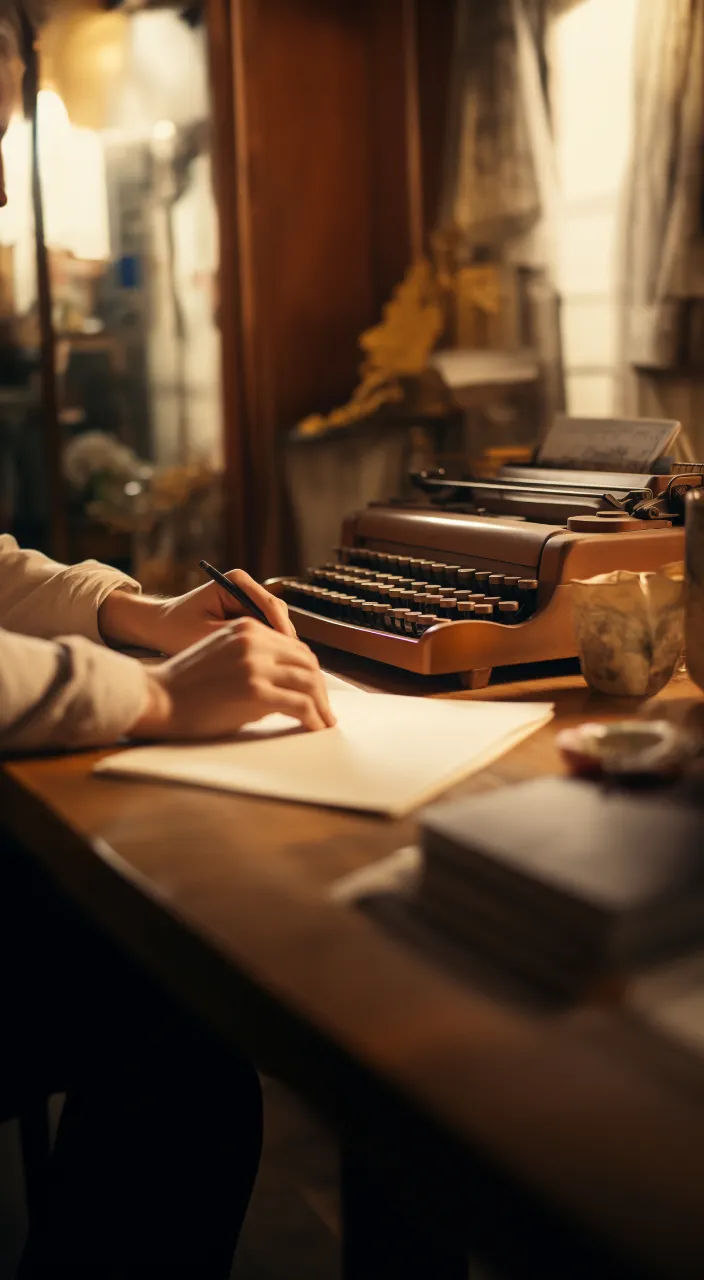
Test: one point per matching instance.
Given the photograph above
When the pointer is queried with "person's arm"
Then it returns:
(73, 693)
(39, 597)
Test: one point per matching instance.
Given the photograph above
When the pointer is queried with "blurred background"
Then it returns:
(296, 249)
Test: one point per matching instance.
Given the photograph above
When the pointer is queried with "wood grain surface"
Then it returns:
(575, 1122)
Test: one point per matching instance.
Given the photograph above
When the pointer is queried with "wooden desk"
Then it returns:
(554, 1143)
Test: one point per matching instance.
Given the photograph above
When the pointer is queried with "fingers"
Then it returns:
(274, 609)
(278, 665)
(310, 682)
(300, 706)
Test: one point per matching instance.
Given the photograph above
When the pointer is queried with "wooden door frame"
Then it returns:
(395, 136)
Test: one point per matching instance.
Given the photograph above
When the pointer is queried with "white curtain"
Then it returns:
(664, 226)
(500, 178)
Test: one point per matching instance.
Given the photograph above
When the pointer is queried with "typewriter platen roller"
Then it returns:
(462, 586)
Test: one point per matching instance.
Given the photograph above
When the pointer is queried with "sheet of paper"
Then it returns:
(387, 754)
(335, 684)
(607, 444)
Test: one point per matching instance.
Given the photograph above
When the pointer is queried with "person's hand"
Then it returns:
(170, 626)
(235, 676)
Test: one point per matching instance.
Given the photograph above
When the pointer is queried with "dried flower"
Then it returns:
(98, 455)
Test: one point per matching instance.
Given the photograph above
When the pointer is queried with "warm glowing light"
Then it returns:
(164, 131)
(53, 117)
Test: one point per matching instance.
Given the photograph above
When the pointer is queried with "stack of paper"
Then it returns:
(387, 754)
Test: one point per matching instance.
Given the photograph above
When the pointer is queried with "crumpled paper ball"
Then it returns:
(629, 629)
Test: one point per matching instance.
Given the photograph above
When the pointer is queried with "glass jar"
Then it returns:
(694, 591)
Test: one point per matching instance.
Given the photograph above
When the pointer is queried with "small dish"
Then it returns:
(626, 748)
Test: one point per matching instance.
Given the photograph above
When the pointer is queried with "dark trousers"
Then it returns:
(160, 1134)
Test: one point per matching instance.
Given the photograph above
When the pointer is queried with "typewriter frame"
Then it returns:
(472, 649)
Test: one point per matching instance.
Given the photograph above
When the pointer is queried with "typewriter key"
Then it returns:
(481, 578)
(409, 622)
(465, 610)
(447, 609)
(463, 595)
(484, 611)
(397, 618)
(496, 581)
(508, 611)
(437, 572)
(511, 582)
(424, 624)
(527, 591)
(465, 577)
(367, 614)
(451, 571)
(379, 615)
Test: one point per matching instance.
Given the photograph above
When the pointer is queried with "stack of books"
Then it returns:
(565, 882)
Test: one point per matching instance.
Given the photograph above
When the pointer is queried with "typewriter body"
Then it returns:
(477, 574)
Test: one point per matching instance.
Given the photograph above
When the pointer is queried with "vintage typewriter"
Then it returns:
(478, 576)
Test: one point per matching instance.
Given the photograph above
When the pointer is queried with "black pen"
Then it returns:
(237, 592)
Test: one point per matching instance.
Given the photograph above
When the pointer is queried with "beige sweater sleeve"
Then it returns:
(70, 693)
(39, 597)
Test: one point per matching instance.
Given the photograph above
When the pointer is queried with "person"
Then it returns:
(63, 682)
(160, 1133)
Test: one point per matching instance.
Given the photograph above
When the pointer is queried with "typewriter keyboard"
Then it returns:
(405, 595)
